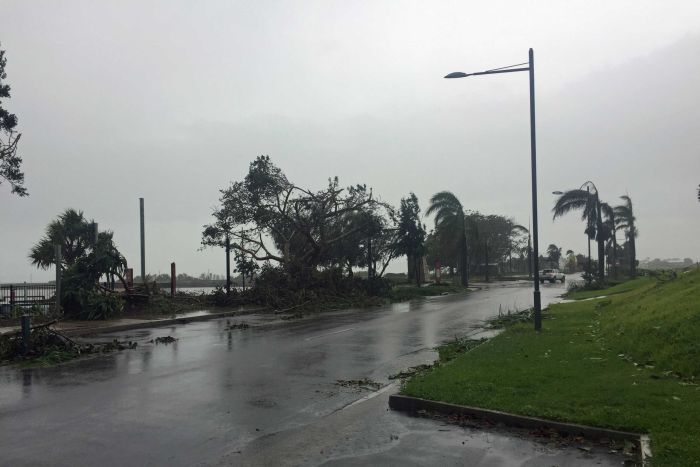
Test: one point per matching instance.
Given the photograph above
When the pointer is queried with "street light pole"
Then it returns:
(533, 166)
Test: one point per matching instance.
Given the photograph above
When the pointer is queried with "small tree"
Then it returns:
(10, 162)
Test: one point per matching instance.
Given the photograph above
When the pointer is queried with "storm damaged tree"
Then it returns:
(218, 234)
(10, 162)
(451, 227)
(590, 205)
(411, 235)
(274, 220)
(625, 220)
(372, 244)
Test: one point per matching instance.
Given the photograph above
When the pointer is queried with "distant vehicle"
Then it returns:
(551, 275)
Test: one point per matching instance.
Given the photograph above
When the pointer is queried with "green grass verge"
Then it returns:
(612, 363)
(612, 290)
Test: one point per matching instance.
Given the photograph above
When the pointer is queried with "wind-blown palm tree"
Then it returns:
(589, 203)
(609, 224)
(624, 218)
(450, 221)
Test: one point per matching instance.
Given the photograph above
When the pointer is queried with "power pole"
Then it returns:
(143, 244)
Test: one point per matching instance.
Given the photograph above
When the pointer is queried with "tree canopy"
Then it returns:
(269, 218)
(10, 161)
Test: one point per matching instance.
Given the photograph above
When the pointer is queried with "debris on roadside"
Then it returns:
(48, 346)
(410, 372)
(163, 340)
(547, 436)
(364, 383)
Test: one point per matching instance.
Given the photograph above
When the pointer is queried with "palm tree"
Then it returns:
(72, 231)
(611, 229)
(450, 221)
(624, 218)
(590, 204)
(81, 249)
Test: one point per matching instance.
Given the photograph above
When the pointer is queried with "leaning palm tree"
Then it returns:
(589, 203)
(609, 224)
(450, 222)
(624, 219)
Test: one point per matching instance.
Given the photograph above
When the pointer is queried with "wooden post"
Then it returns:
(173, 280)
(59, 260)
(143, 242)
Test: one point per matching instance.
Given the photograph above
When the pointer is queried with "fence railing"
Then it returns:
(25, 296)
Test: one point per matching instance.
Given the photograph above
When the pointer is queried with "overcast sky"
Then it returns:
(170, 101)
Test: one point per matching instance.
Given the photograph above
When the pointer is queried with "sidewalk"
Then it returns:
(87, 328)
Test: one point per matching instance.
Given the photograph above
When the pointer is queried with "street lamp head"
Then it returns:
(456, 74)
(557, 192)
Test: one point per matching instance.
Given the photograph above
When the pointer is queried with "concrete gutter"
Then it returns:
(414, 404)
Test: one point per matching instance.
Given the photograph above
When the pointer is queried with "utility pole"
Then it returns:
(228, 264)
(143, 244)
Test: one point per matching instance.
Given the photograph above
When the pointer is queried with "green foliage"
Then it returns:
(84, 260)
(10, 162)
(410, 233)
(624, 219)
(87, 303)
(508, 318)
(450, 232)
(267, 218)
(626, 362)
(220, 298)
(452, 349)
(589, 203)
(594, 289)
(280, 289)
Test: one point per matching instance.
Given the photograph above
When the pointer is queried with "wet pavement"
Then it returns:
(266, 395)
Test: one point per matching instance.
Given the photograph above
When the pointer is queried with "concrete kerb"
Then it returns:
(91, 331)
(413, 405)
(91, 328)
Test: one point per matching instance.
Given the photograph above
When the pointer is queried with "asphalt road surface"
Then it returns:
(267, 395)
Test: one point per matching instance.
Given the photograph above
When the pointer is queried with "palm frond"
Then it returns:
(572, 200)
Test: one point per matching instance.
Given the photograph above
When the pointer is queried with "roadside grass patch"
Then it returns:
(582, 292)
(629, 362)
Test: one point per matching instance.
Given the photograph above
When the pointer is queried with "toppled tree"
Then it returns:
(10, 162)
(84, 260)
(270, 219)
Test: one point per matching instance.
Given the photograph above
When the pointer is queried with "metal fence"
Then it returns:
(25, 296)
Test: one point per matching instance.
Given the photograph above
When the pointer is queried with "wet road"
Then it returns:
(239, 397)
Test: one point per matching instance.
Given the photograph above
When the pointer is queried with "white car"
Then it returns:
(551, 275)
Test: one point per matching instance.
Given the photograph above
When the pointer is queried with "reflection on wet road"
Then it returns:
(214, 391)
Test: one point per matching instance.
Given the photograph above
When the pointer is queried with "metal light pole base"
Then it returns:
(538, 310)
